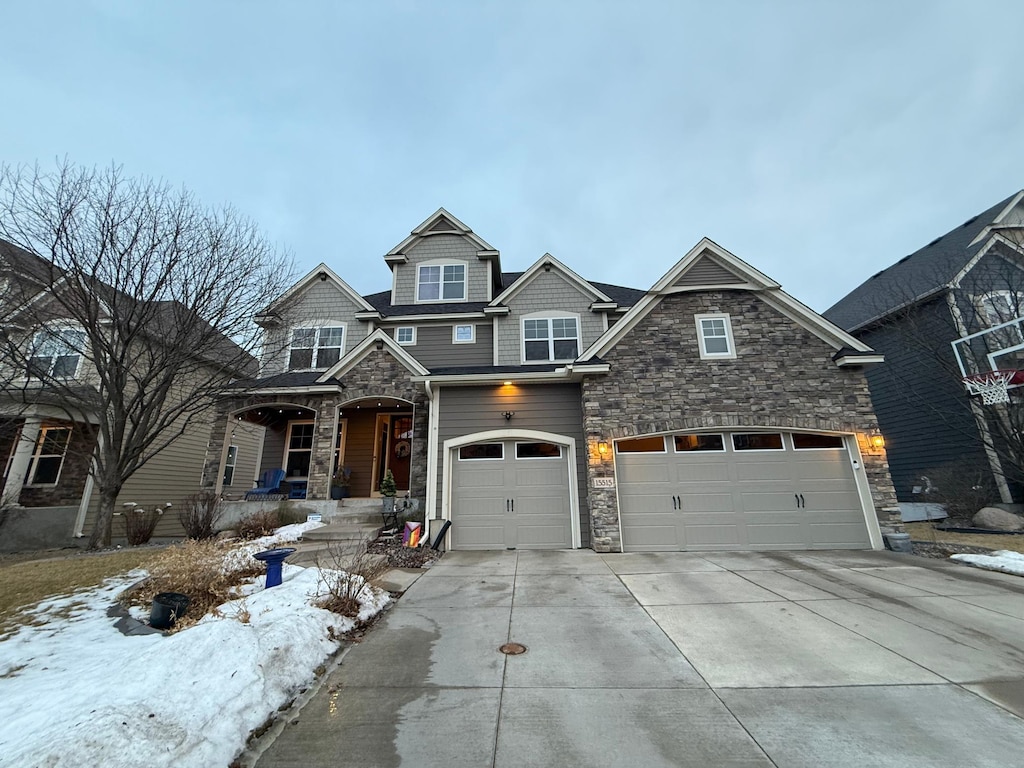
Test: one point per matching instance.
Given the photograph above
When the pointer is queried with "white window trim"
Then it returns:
(734, 449)
(559, 457)
(56, 329)
(472, 333)
(982, 305)
(288, 450)
(458, 452)
(442, 263)
(551, 342)
(730, 354)
(412, 341)
(316, 326)
(722, 435)
(34, 461)
(230, 462)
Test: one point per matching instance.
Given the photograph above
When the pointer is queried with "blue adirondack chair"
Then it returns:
(269, 483)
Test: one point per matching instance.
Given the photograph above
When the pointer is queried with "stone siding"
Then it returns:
(783, 376)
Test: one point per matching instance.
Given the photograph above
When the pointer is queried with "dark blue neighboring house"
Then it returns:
(950, 309)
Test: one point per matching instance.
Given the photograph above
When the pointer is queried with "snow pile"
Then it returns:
(76, 692)
(1003, 560)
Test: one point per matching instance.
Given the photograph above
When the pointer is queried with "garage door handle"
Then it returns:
(674, 503)
(507, 503)
(802, 502)
(513, 502)
(797, 497)
(679, 502)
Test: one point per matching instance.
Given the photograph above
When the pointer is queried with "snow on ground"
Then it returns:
(1002, 560)
(77, 692)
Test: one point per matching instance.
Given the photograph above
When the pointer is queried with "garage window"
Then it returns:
(538, 451)
(757, 441)
(687, 443)
(641, 445)
(482, 452)
(804, 441)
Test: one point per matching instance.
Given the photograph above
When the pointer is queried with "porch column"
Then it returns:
(321, 464)
(213, 467)
(22, 458)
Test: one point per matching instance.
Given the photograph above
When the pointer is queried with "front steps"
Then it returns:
(347, 532)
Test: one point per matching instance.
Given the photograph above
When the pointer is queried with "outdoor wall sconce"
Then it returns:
(603, 449)
(508, 415)
(876, 440)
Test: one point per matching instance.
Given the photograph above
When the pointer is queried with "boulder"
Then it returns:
(995, 519)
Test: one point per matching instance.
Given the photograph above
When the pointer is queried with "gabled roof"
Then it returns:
(546, 263)
(441, 222)
(918, 275)
(376, 340)
(323, 273)
(709, 258)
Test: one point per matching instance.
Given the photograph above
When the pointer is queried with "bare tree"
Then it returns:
(137, 314)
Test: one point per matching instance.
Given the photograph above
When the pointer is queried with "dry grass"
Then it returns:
(344, 573)
(26, 582)
(197, 569)
(924, 532)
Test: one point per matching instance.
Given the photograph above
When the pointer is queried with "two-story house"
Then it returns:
(951, 309)
(50, 400)
(539, 409)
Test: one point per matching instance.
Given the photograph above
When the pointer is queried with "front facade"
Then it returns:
(538, 409)
(950, 309)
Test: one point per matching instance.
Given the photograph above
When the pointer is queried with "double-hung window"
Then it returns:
(316, 347)
(48, 455)
(546, 339)
(714, 335)
(56, 352)
(441, 282)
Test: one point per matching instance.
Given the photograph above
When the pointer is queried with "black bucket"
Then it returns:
(167, 606)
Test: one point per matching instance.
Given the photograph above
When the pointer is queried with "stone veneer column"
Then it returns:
(325, 435)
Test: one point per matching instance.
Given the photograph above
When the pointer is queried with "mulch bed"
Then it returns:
(400, 556)
(941, 551)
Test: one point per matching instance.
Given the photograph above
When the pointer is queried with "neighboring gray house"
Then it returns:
(538, 409)
(965, 287)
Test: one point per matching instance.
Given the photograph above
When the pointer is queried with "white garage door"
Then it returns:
(512, 494)
(741, 490)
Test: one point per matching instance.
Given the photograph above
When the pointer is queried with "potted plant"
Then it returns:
(340, 482)
(388, 490)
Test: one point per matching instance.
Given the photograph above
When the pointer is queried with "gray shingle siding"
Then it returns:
(548, 291)
(455, 248)
(320, 303)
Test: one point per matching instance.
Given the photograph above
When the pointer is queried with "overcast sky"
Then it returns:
(818, 141)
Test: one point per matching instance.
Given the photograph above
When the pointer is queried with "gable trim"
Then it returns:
(324, 273)
(423, 230)
(376, 340)
(547, 262)
(769, 290)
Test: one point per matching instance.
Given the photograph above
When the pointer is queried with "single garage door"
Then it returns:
(740, 490)
(512, 494)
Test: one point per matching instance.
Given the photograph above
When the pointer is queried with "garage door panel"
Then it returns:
(511, 502)
(742, 499)
(702, 503)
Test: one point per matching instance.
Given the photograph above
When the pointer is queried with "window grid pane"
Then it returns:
(403, 335)
(430, 284)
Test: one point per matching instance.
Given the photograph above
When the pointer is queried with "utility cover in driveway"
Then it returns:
(740, 490)
(511, 494)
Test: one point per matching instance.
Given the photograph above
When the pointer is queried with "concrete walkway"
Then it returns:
(731, 659)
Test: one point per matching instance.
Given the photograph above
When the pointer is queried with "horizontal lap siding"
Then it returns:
(551, 408)
(434, 347)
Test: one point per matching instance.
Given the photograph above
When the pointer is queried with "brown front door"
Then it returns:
(393, 449)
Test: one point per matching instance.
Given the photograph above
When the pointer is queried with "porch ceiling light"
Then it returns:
(508, 383)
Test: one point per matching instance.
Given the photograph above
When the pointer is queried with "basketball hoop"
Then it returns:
(993, 386)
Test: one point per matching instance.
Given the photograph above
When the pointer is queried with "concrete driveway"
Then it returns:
(713, 659)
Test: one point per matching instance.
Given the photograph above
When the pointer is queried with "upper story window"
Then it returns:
(406, 335)
(56, 353)
(997, 307)
(441, 282)
(316, 347)
(714, 335)
(546, 339)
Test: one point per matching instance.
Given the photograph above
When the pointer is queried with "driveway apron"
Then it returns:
(679, 659)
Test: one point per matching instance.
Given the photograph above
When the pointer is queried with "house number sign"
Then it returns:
(604, 482)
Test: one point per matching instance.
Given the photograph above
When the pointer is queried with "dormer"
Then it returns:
(443, 262)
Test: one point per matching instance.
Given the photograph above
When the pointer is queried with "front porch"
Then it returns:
(313, 438)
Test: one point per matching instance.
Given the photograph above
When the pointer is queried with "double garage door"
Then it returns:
(511, 494)
(738, 490)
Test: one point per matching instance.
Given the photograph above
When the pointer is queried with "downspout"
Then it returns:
(433, 400)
